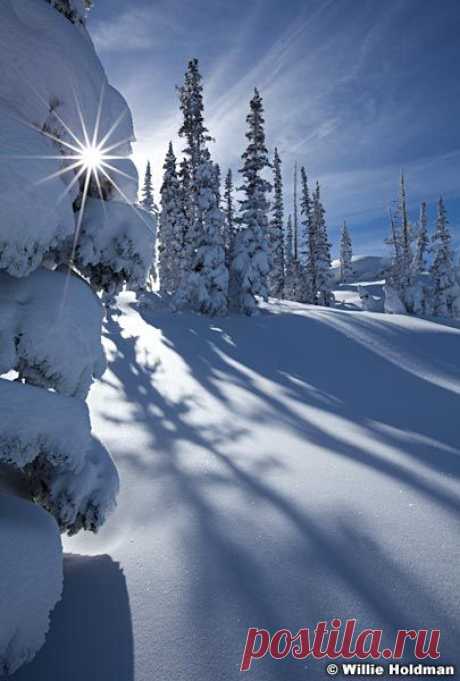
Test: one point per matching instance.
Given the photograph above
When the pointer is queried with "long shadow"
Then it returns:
(90, 636)
(336, 551)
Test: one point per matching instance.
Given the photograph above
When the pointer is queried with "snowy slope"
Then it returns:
(276, 471)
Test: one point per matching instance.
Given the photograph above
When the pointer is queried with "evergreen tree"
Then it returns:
(305, 287)
(322, 252)
(422, 243)
(147, 197)
(289, 274)
(193, 128)
(394, 272)
(229, 215)
(250, 263)
(204, 284)
(276, 233)
(171, 227)
(217, 183)
(442, 268)
(406, 232)
(296, 218)
(346, 271)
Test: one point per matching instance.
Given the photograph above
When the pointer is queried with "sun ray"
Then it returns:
(118, 144)
(117, 170)
(73, 182)
(127, 201)
(58, 173)
(82, 120)
(112, 129)
(98, 115)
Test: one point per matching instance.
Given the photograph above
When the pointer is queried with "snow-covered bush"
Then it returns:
(53, 90)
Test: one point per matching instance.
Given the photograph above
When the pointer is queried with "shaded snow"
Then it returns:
(276, 471)
(31, 578)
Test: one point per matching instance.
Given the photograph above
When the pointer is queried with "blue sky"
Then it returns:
(354, 89)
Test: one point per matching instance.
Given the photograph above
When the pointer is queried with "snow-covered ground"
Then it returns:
(275, 472)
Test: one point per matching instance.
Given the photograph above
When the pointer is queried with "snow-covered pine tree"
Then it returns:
(296, 218)
(217, 182)
(250, 263)
(422, 242)
(406, 233)
(196, 136)
(204, 284)
(393, 277)
(305, 283)
(346, 253)
(171, 227)
(289, 273)
(58, 253)
(229, 216)
(322, 252)
(276, 233)
(445, 289)
(147, 196)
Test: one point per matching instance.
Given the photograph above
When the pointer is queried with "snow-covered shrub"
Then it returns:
(52, 90)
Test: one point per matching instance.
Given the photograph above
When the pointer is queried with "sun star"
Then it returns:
(92, 157)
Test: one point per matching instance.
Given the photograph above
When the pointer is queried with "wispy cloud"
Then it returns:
(351, 89)
(138, 29)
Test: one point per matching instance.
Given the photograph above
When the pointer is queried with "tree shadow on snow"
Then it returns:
(90, 636)
(326, 565)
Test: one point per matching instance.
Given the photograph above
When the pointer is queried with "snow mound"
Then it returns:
(31, 555)
(50, 330)
(116, 245)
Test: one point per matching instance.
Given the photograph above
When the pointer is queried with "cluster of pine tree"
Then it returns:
(412, 285)
(213, 256)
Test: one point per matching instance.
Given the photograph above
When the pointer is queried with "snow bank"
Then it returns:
(30, 579)
(116, 245)
(50, 331)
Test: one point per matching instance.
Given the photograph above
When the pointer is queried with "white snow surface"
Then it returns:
(30, 579)
(275, 472)
(50, 330)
